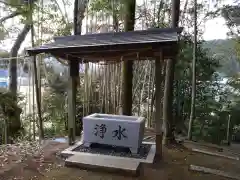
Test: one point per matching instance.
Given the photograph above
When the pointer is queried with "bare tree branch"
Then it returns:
(13, 62)
(8, 4)
(64, 17)
(14, 14)
(62, 61)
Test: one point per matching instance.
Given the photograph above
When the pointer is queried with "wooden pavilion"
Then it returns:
(152, 44)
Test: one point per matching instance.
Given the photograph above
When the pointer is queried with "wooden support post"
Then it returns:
(228, 129)
(129, 21)
(72, 91)
(38, 98)
(127, 88)
(158, 114)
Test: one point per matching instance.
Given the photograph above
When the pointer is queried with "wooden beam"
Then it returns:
(215, 154)
(114, 59)
(214, 171)
(117, 56)
(158, 114)
(72, 91)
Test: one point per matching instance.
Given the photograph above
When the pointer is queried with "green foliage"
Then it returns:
(22, 7)
(51, 13)
(8, 103)
(237, 47)
(101, 5)
(2, 33)
(54, 109)
(107, 6)
(214, 100)
(231, 15)
(225, 51)
(4, 54)
(9, 108)
(210, 97)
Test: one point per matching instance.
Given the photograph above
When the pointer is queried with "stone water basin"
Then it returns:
(115, 130)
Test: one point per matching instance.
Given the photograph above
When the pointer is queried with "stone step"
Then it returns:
(125, 166)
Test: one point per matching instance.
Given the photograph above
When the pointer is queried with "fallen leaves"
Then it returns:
(25, 159)
(16, 153)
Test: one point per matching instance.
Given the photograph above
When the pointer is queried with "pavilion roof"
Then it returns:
(113, 46)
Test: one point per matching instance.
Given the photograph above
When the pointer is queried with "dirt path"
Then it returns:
(174, 166)
(33, 167)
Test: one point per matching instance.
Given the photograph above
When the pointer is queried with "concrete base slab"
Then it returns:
(109, 163)
(150, 157)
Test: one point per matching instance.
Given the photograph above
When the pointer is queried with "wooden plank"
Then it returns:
(215, 154)
(204, 144)
(103, 163)
(214, 171)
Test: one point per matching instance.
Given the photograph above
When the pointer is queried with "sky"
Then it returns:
(214, 29)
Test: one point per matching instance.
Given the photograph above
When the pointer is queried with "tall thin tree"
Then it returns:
(36, 80)
(169, 80)
(79, 9)
(14, 121)
(192, 114)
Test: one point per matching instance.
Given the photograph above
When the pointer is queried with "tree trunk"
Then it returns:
(128, 65)
(79, 9)
(6, 130)
(14, 14)
(38, 92)
(192, 114)
(13, 61)
(228, 129)
(15, 123)
(169, 80)
(201, 129)
(37, 87)
(167, 102)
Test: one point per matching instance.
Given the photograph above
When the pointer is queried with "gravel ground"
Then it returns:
(115, 151)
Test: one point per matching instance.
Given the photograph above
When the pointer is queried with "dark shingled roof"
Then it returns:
(94, 47)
